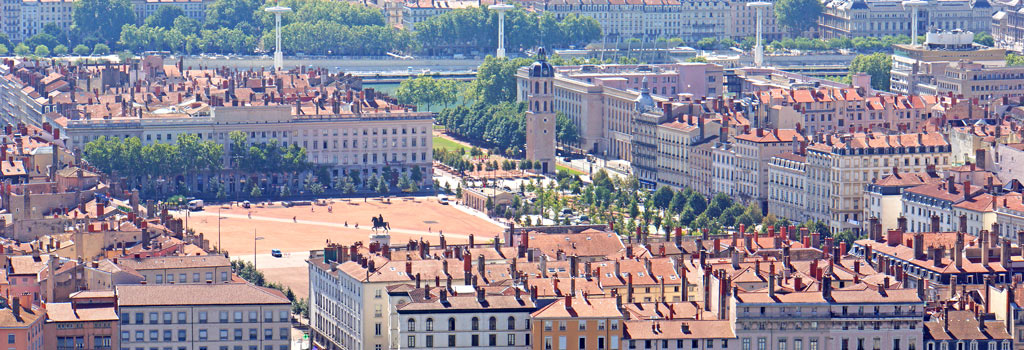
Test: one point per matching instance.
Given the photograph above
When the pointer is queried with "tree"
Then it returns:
(495, 79)
(425, 90)
(42, 39)
(984, 38)
(798, 15)
(3, 50)
(663, 197)
(42, 51)
(101, 20)
(22, 50)
(697, 59)
(877, 65)
(233, 14)
(60, 50)
(678, 202)
(5, 40)
(1011, 59)
(697, 203)
(383, 188)
(101, 49)
(565, 130)
(164, 16)
(80, 50)
(256, 191)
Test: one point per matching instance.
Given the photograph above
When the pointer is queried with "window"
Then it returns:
(376, 329)
(451, 340)
(238, 317)
(411, 341)
(511, 339)
(223, 334)
(492, 339)
(268, 334)
(583, 342)
(492, 323)
(475, 323)
(154, 318)
(451, 323)
(511, 323)
(202, 317)
(202, 334)
(167, 318)
(411, 325)
(430, 341)
(181, 317)
(474, 340)
(430, 325)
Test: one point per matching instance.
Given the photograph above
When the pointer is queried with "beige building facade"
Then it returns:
(203, 316)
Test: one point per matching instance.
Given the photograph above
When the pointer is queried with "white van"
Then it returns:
(195, 205)
(443, 199)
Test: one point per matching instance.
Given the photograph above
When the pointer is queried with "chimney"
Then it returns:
(963, 224)
(826, 287)
(935, 223)
(568, 302)
(967, 190)
(629, 288)
(901, 223)
(16, 307)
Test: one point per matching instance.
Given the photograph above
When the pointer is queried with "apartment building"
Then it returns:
(88, 321)
(884, 198)
(22, 323)
(180, 269)
(877, 18)
(648, 20)
(787, 185)
(841, 167)
(977, 81)
(751, 152)
(916, 68)
(862, 318)
(416, 11)
(1010, 214)
(1008, 27)
(443, 318)
(577, 323)
(601, 100)
(203, 316)
(1008, 161)
(943, 261)
(978, 142)
(921, 203)
(348, 305)
(194, 9)
(830, 109)
(677, 334)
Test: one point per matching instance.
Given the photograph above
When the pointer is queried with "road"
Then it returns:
(347, 65)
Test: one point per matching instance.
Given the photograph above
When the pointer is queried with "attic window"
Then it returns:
(673, 277)
(566, 239)
(608, 275)
(561, 269)
(392, 268)
(588, 238)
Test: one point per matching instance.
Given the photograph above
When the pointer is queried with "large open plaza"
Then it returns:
(298, 229)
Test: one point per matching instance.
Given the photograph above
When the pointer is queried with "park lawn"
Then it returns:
(570, 170)
(440, 142)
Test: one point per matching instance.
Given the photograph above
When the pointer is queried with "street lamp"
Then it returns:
(760, 7)
(501, 8)
(278, 56)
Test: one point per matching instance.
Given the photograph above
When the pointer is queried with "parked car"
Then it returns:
(246, 205)
(275, 253)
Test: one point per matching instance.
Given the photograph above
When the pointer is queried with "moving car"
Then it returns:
(275, 253)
